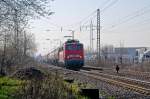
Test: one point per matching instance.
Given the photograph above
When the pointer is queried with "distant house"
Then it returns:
(126, 54)
(130, 54)
(145, 57)
(122, 55)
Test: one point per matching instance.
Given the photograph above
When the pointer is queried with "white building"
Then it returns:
(128, 55)
(124, 55)
(145, 57)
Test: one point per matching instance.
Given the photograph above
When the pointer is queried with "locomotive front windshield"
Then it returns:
(74, 47)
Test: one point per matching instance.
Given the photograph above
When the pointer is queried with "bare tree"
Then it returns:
(14, 17)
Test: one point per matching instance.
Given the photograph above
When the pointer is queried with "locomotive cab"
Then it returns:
(74, 56)
(70, 55)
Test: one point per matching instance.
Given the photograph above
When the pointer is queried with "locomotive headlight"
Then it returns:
(80, 56)
(68, 57)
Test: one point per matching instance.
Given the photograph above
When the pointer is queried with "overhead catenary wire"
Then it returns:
(78, 25)
(102, 10)
(138, 25)
(91, 16)
(104, 3)
(108, 6)
(131, 16)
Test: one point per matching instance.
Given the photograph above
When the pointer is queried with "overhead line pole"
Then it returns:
(98, 36)
(72, 33)
(91, 36)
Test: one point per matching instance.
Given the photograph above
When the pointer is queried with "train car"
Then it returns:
(53, 57)
(70, 55)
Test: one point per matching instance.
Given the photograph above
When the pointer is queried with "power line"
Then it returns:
(111, 4)
(138, 25)
(103, 9)
(90, 16)
(131, 16)
(104, 3)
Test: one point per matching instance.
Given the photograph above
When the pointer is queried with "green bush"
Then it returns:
(8, 86)
(50, 87)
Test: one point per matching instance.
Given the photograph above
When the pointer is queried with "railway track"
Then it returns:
(127, 83)
(108, 84)
(139, 86)
(144, 76)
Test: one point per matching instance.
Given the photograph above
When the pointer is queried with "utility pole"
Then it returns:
(98, 36)
(92, 28)
(91, 36)
(72, 34)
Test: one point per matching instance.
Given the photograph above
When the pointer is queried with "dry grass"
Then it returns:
(144, 67)
(51, 87)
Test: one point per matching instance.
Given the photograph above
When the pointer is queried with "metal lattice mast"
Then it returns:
(98, 35)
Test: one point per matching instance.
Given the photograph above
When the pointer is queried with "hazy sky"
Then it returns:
(126, 21)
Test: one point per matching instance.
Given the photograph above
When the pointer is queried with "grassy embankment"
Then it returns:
(8, 86)
(48, 88)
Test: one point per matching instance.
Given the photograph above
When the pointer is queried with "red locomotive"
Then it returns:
(70, 55)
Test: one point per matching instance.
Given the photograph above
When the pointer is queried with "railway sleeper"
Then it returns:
(135, 88)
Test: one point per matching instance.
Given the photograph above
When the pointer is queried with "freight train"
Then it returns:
(70, 55)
